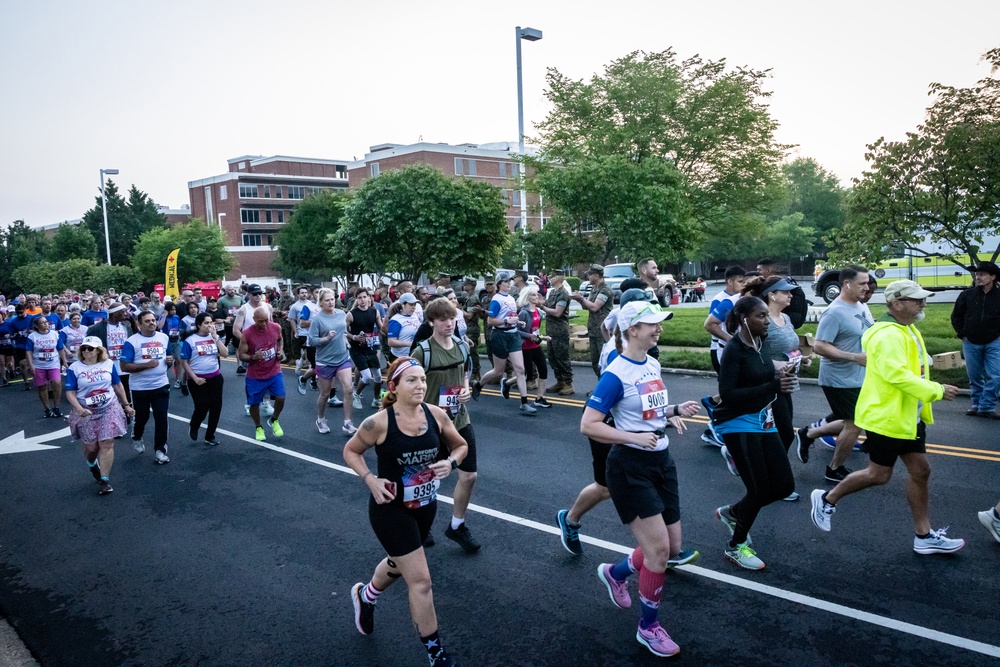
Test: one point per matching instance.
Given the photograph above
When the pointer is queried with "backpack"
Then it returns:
(425, 347)
(798, 308)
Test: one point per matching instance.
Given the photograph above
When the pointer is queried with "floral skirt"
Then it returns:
(107, 424)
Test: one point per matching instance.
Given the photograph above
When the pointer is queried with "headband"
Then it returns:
(115, 309)
(409, 363)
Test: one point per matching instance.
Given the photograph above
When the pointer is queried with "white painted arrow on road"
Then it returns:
(14, 444)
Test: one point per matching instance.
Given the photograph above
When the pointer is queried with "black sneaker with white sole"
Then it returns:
(804, 443)
(364, 612)
(837, 475)
(463, 537)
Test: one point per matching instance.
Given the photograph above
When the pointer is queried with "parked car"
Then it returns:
(615, 274)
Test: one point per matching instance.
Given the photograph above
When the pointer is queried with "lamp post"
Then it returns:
(104, 207)
(531, 35)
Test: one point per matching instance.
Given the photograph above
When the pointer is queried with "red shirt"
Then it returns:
(267, 342)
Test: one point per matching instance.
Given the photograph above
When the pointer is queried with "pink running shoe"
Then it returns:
(656, 639)
(618, 590)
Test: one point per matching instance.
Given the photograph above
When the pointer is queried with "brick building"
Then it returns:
(255, 198)
(494, 163)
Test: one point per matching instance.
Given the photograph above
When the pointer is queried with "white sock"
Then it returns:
(456, 522)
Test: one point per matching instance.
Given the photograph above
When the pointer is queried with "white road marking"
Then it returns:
(815, 603)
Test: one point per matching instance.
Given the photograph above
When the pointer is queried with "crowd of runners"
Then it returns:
(116, 358)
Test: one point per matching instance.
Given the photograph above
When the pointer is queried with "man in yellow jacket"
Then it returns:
(894, 408)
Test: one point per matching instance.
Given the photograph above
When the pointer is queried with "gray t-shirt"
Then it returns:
(841, 325)
(333, 352)
(781, 339)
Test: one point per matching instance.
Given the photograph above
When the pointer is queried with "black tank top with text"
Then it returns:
(405, 460)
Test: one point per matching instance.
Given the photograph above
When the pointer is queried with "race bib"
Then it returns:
(206, 348)
(233, 310)
(372, 339)
(98, 398)
(448, 399)
(767, 418)
(114, 352)
(419, 487)
(654, 399)
(220, 326)
(795, 359)
(74, 348)
(45, 354)
(268, 354)
(152, 351)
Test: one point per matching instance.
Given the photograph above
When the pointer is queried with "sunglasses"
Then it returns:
(87, 349)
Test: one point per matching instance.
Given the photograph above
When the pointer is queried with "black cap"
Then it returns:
(254, 288)
(986, 267)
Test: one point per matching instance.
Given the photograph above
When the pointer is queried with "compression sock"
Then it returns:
(628, 565)
(650, 590)
(432, 643)
(370, 594)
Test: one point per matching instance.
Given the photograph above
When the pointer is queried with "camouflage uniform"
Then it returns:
(596, 318)
(558, 329)
(473, 331)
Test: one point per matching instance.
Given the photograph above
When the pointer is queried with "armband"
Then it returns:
(677, 410)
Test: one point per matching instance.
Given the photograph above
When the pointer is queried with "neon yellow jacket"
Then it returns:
(893, 388)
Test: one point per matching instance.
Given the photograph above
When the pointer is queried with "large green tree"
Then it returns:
(637, 207)
(416, 220)
(708, 122)
(128, 219)
(304, 253)
(72, 242)
(20, 245)
(942, 183)
(76, 274)
(817, 194)
(203, 254)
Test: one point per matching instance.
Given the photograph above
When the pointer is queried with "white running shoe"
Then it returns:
(139, 446)
(298, 366)
(322, 426)
(335, 402)
(990, 523)
(266, 408)
(357, 401)
(376, 403)
(744, 556)
(822, 511)
(349, 428)
(246, 409)
(936, 542)
(161, 457)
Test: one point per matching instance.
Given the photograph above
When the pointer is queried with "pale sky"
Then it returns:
(168, 91)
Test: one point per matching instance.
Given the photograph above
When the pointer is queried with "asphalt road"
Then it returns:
(245, 554)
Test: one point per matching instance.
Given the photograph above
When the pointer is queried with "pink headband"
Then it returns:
(409, 363)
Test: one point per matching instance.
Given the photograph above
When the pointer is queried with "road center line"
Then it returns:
(815, 603)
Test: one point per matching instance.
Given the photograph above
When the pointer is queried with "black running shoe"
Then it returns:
(95, 470)
(184, 388)
(837, 475)
(241, 370)
(105, 488)
(441, 659)
(48, 413)
(214, 442)
(805, 442)
(464, 538)
(504, 389)
(364, 612)
(477, 389)
(428, 541)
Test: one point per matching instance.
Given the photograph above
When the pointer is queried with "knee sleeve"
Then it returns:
(366, 376)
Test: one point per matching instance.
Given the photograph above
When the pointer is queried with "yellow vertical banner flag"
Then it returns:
(170, 284)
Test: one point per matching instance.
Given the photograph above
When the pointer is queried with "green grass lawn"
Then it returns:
(685, 329)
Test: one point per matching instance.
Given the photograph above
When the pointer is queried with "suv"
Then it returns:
(616, 274)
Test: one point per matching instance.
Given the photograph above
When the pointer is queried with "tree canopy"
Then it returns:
(76, 274)
(127, 221)
(203, 254)
(304, 253)
(19, 245)
(942, 183)
(416, 220)
(708, 124)
(72, 242)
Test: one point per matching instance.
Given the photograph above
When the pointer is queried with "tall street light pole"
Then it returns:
(104, 207)
(531, 35)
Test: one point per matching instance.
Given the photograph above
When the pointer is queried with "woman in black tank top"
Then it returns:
(406, 435)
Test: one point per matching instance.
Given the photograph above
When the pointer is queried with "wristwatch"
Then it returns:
(454, 463)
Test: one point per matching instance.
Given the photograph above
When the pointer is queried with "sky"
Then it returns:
(167, 92)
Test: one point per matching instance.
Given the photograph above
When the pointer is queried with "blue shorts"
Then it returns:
(257, 389)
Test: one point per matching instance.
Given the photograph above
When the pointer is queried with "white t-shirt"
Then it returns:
(720, 307)
(634, 393)
(140, 349)
(202, 354)
(117, 335)
(44, 349)
(403, 328)
(93, 384)
(247, 310)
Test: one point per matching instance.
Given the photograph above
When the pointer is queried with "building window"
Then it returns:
(251, 239)
(511, 197)
(223, 195)
(277, 192)
(267, 192)
(296, 192)
(281, 216)
(465, 167)
(248, 215)
(241, 165)
(248, 191)
(267, 216)
(374, 169)
(504, 169)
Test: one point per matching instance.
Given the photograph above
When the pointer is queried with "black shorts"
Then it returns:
(842, 401)
(468, 464)
(20, 354)
(503, 343)
(643, 484)
(366, 358)
(883, 450)
(400, 531)
(298, 342)
(599, 452)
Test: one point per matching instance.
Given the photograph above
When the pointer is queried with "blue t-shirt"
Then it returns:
(89, 317)
(19, 328)
(172, 326)
(720, 307)
(54, 322)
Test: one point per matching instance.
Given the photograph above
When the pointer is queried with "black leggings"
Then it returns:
(158, 400)
(762, 461)
(534, 363)
(207, 400)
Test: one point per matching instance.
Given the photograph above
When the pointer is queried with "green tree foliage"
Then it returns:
(76, 274)
(72, 242)
(416, 220)
(203, 254)
(639, 208)
(786, 238)
(127, 221)
(710, 124)
(816, 194)
(303, 250)
(941, 183)
(19, 245)
(558, 244)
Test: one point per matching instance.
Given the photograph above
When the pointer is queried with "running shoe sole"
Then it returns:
(940, 550)
(642, 640)
(356, 601)
(819, 518)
